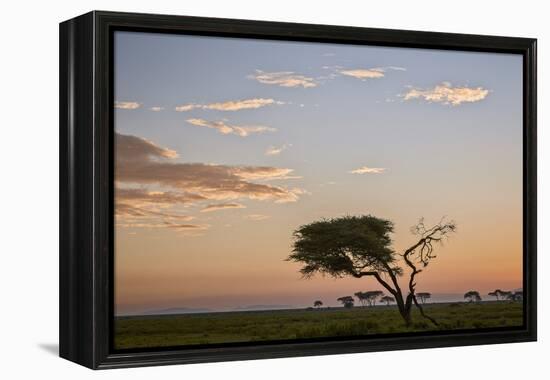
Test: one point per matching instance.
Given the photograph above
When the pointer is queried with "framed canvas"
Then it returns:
(236, 189)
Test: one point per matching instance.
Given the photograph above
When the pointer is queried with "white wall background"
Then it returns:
(29, 190)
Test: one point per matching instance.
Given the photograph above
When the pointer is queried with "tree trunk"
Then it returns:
(406, 315)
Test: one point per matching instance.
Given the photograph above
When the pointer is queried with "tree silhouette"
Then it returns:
(347, 301)
(318, 304)
(387, 300)
(369, 297)
(519, 295)
(497, 293)
(372, 295)
(505, 294)
(423, 297)
(515, 296)
(360, 246)
(361, 297)
(472, 296)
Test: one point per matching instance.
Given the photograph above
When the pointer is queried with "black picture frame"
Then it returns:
(86, 186)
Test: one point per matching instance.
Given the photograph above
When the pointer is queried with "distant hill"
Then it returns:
(264, 307)
(177, 310)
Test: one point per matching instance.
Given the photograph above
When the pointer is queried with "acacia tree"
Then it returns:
(372, 295)
(360, 246)
(369, 297)
(472, 296)
(515, 296)
(318, 304)
(387, 300)
(505, 294)
(497, 293)
(347, 301)
(361, 297)
(423, 296)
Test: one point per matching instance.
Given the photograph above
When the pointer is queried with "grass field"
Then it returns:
(190, 329)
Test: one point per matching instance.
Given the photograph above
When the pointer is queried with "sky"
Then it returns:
(225, 146)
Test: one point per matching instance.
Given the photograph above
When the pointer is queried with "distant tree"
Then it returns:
(347, 301)
(423, 297)
(360, 246)
(318, 304)
(497, 293)
(361, 297)
(505, 294)
(515, 296)
(372, 295)
(369, 297)
(387, 300)
(519, 294)
(472, 296)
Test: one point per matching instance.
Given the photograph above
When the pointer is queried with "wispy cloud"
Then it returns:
(396, 68)
(188, 107)
(127, 105)
(363, 73)
(139, 148)
(230, 105)
(274, 151)
(369, 73)
(154, 190)
(257, 217)
(186, 228)
(139, 197)
(283, 79)
(139, 208)
(156, 109)
(263, 172)
(222, 206)
(129, 210)
(448, 94)
(367, 170)
(136, 208)
(143, 163)
(226, 129)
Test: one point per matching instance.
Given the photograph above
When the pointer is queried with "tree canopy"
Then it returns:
(515, 296)
(496, 293)
(347, 301)
(344, 246)
(368, 297)
(424, 296)
(387, 299)
(472, 296)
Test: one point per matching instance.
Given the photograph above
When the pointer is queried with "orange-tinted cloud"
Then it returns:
(275, 151)
(367, 170)
(141, 164)
(447, 94)
(130, 148)
(127, 105)
(372, 73)
(363, 73)
(226, 129)
(222, 206)
(230, 105)
(257, 217)
(284, 79)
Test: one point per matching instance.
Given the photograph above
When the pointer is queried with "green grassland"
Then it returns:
(191, 329)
